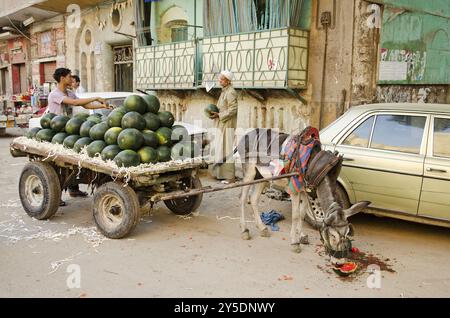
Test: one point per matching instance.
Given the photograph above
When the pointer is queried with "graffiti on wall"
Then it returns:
(412, 94)
(402, 65)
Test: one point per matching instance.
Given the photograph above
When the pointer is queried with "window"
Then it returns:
(361, 135)
(19, 74)
(228, 17)
(46, 44)
(123, 68)
(398, 133)
(179, 34)
(143, 11)
(46, 71)
(3, 79)
(441, 137)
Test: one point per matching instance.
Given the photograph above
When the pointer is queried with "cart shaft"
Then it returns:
(183, 194)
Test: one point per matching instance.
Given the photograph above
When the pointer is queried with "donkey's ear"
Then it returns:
(356, 208)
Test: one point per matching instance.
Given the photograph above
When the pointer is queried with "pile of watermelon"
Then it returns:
(134, 133)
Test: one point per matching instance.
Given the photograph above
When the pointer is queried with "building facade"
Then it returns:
(100, 46)
(329, 56)
(295, 62)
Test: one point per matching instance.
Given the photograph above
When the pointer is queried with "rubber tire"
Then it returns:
(342, 198)
(130, 206)
(187, 205)
(51, 187)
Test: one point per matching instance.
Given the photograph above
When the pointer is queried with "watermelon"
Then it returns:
(152, 103)
(346, 269)
(70, 141)
(115, 118)
(81, 143)
(135, 103)
(59, 138)
(95, 147)
(209, 109)
(130, 138)
(46, 120)
(96, 119)
(121, 109)
(45, 135)
(98, 131)
(58, 123)
(150, 138)
(112, 134)
(86, 127)
(73, 126)
(166, 118)
(110, 152)
(148, 155)
(127, 158)
(32, 132)
(152, 121)
(164, 136)
(82, 116)
(164, 153)
(133, 120)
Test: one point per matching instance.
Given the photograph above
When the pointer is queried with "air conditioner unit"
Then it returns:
(28, 21)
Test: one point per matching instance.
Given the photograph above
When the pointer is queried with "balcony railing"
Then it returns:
(264, 59)
(167, 66)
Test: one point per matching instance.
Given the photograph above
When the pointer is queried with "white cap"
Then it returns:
(227, 74)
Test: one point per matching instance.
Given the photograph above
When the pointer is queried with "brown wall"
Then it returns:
(350, 61)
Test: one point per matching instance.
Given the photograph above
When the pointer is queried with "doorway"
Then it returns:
(19, 74)
(123, 68)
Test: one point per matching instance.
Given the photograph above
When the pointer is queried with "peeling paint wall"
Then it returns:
(348, 62)
(365, 53)
(418, 42)
(280, 110)
(90, 46)
(439, 94)
(58, 48)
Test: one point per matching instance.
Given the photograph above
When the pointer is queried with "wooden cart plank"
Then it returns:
(74, 160)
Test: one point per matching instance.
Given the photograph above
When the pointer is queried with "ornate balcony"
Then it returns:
(267, 59)
(263, 59)
(166, 66)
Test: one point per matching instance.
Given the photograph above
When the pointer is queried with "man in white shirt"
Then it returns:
(76, 85)
(60, 102)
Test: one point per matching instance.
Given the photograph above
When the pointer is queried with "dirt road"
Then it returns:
(202, 256)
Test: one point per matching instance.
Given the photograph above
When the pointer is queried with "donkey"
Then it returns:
(256, 149)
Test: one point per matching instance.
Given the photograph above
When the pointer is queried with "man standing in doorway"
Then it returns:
(76, 85)
(226, 121)
(60, 102)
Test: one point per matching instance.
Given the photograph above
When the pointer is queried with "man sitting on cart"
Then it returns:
(60, 102)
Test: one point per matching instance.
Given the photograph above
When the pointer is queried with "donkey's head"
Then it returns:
(336, 231)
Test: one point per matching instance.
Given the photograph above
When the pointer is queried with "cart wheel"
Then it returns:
(39, 190)
(116, 209)
(186, 205)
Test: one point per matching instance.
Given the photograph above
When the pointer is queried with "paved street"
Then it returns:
(202, 256)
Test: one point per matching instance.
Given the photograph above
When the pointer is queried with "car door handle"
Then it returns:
(436, 170)
(348, 159)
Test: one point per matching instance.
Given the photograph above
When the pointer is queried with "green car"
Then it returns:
(396, 156)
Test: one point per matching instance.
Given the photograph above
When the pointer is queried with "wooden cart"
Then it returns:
(119, 195)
